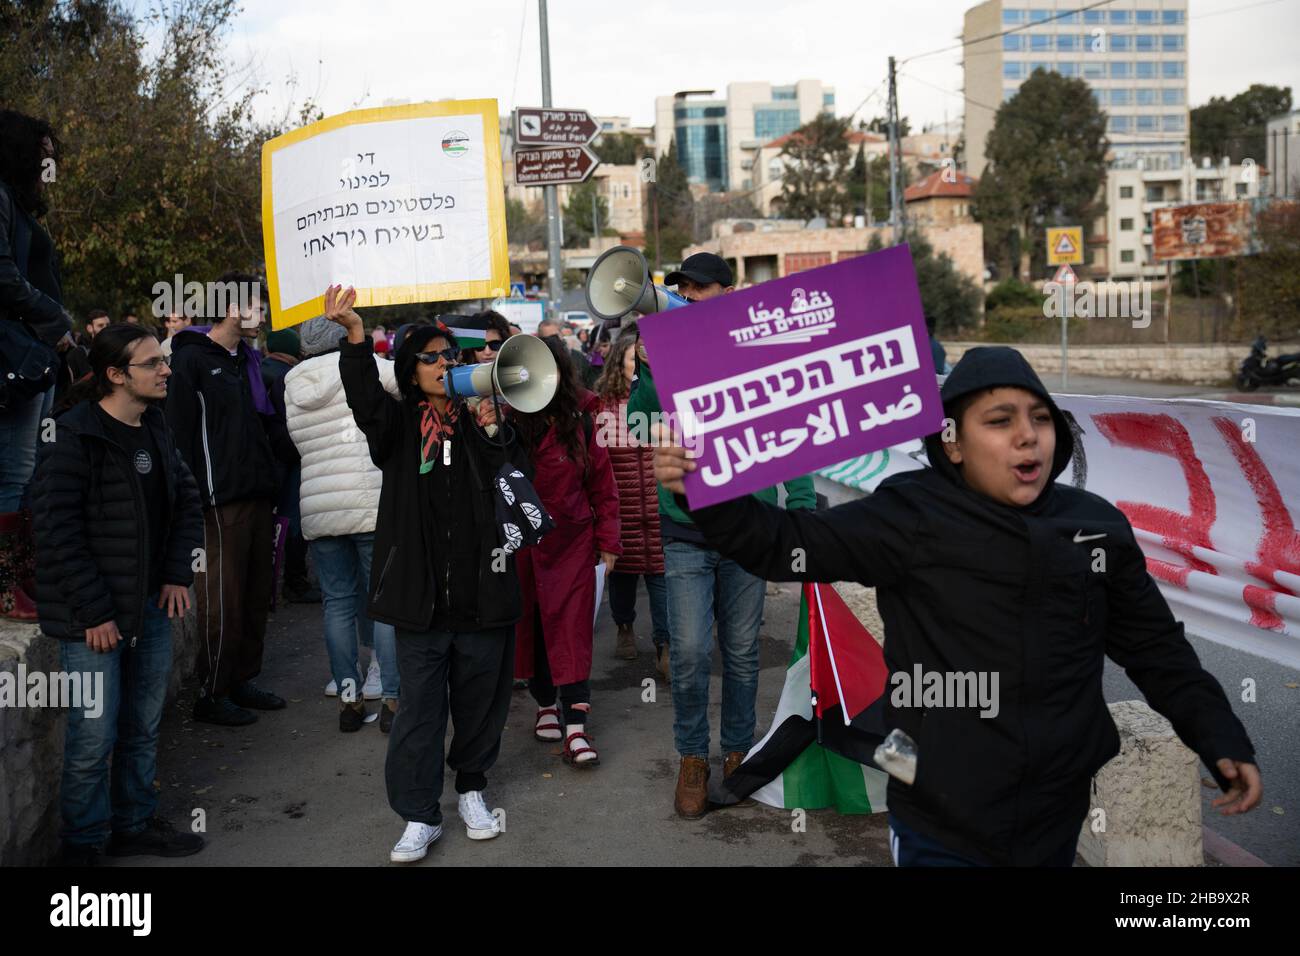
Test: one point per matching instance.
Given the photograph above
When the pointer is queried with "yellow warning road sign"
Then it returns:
(1065, 246)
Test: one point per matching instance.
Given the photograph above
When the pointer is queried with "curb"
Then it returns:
(1227, 852)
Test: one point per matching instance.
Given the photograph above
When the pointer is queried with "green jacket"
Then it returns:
(799, 493)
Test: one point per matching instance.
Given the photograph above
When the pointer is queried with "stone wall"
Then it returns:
(31, 742)
(1192, 364)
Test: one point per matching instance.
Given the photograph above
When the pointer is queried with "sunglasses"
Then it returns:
(495, 346)
(431, 358)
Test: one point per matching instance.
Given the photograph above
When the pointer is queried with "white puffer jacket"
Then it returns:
(340, 485)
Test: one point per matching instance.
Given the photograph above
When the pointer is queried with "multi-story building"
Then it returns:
(1132, 194)
(769, 167)
(1132, 53)
(718, 138)
(1282, 156)
(623, 124)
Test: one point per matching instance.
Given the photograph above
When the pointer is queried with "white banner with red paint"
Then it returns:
(1212, 490)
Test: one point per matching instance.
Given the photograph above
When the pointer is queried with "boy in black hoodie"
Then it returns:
(983, 564)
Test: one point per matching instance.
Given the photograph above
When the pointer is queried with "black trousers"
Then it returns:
(468, 673)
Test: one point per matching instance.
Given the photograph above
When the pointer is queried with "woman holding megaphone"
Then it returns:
(438, 575)
(575, 482)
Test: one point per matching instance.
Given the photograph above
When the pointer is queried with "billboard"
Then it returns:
(1209, 230)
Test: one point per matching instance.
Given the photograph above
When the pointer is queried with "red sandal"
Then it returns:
(571, 753)
(543, 724)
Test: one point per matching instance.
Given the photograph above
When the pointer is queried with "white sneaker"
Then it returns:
(373, 687)
(414, 843)
(480, 824)
(331, 689)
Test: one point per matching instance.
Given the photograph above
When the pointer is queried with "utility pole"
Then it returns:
(595, 217)
(895, 195)
(554, 272)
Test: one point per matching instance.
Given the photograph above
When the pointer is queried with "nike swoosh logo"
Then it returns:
(1080, 537)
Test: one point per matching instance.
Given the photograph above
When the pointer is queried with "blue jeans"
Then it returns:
(20, 430)
(95, 801)
(343, 566)
(911, 847)
(622, 601)
(694, 575)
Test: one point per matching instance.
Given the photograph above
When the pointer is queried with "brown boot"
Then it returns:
(692, 795)
(663, 664)
(626, 649)
(734, 760)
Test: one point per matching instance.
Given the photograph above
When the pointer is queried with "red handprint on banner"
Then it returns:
(1165, 435)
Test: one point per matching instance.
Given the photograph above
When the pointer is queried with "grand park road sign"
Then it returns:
(555, 144)
(535, 126)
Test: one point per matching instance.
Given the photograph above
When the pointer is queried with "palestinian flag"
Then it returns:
(468, 338)
(813, 756)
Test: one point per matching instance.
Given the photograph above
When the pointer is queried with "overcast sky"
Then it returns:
(613, 58)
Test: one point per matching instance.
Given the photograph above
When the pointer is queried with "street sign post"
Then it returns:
(554, 165)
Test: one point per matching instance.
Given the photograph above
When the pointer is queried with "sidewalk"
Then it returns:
(292, 790)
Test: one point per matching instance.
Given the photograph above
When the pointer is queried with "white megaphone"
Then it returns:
(524, 374)
(620, 283)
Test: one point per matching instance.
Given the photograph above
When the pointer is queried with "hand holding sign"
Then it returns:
(672, 462)
(793, 375)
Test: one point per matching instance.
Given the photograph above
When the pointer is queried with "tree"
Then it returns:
(880, 124)
(161, 165)
(817, 160)
(950, 297)
(620, 149)
(524, 226)
(671, 192)
(1270, 280)
(584, 214)
(1041, 171)
(1237, 128)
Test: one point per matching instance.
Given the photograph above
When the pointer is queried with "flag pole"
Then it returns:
(839, 689)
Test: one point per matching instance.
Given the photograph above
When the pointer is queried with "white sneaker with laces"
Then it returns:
(331, 689)
(373, 687)
(480, 824)
(415, 842)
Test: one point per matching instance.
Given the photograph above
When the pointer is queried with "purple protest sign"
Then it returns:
(775, 381)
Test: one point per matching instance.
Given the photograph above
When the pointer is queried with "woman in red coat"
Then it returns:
(638, 502)
(557, 578)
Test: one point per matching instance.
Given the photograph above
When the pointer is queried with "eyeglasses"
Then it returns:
(495, 345)
(431, 358)
(153, 365)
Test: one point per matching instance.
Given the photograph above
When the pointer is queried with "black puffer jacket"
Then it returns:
(19, 299)
(223, 436)
(414, 548)
(965, 584)
(91, 526)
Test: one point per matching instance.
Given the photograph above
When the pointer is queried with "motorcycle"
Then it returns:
(1259, 370)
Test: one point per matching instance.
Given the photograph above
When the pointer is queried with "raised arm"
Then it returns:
(377, 413)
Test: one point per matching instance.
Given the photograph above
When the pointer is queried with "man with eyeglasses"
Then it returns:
(117, 519)
(228, 434)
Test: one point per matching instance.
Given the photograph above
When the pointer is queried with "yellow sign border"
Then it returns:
(497, 285)
(1075, 233)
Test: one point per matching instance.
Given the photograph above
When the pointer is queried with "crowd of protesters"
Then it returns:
(462, 544)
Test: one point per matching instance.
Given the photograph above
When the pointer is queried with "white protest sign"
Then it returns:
(405, 203)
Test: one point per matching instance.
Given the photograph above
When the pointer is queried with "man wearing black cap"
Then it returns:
(705, 587)
(702, 276)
